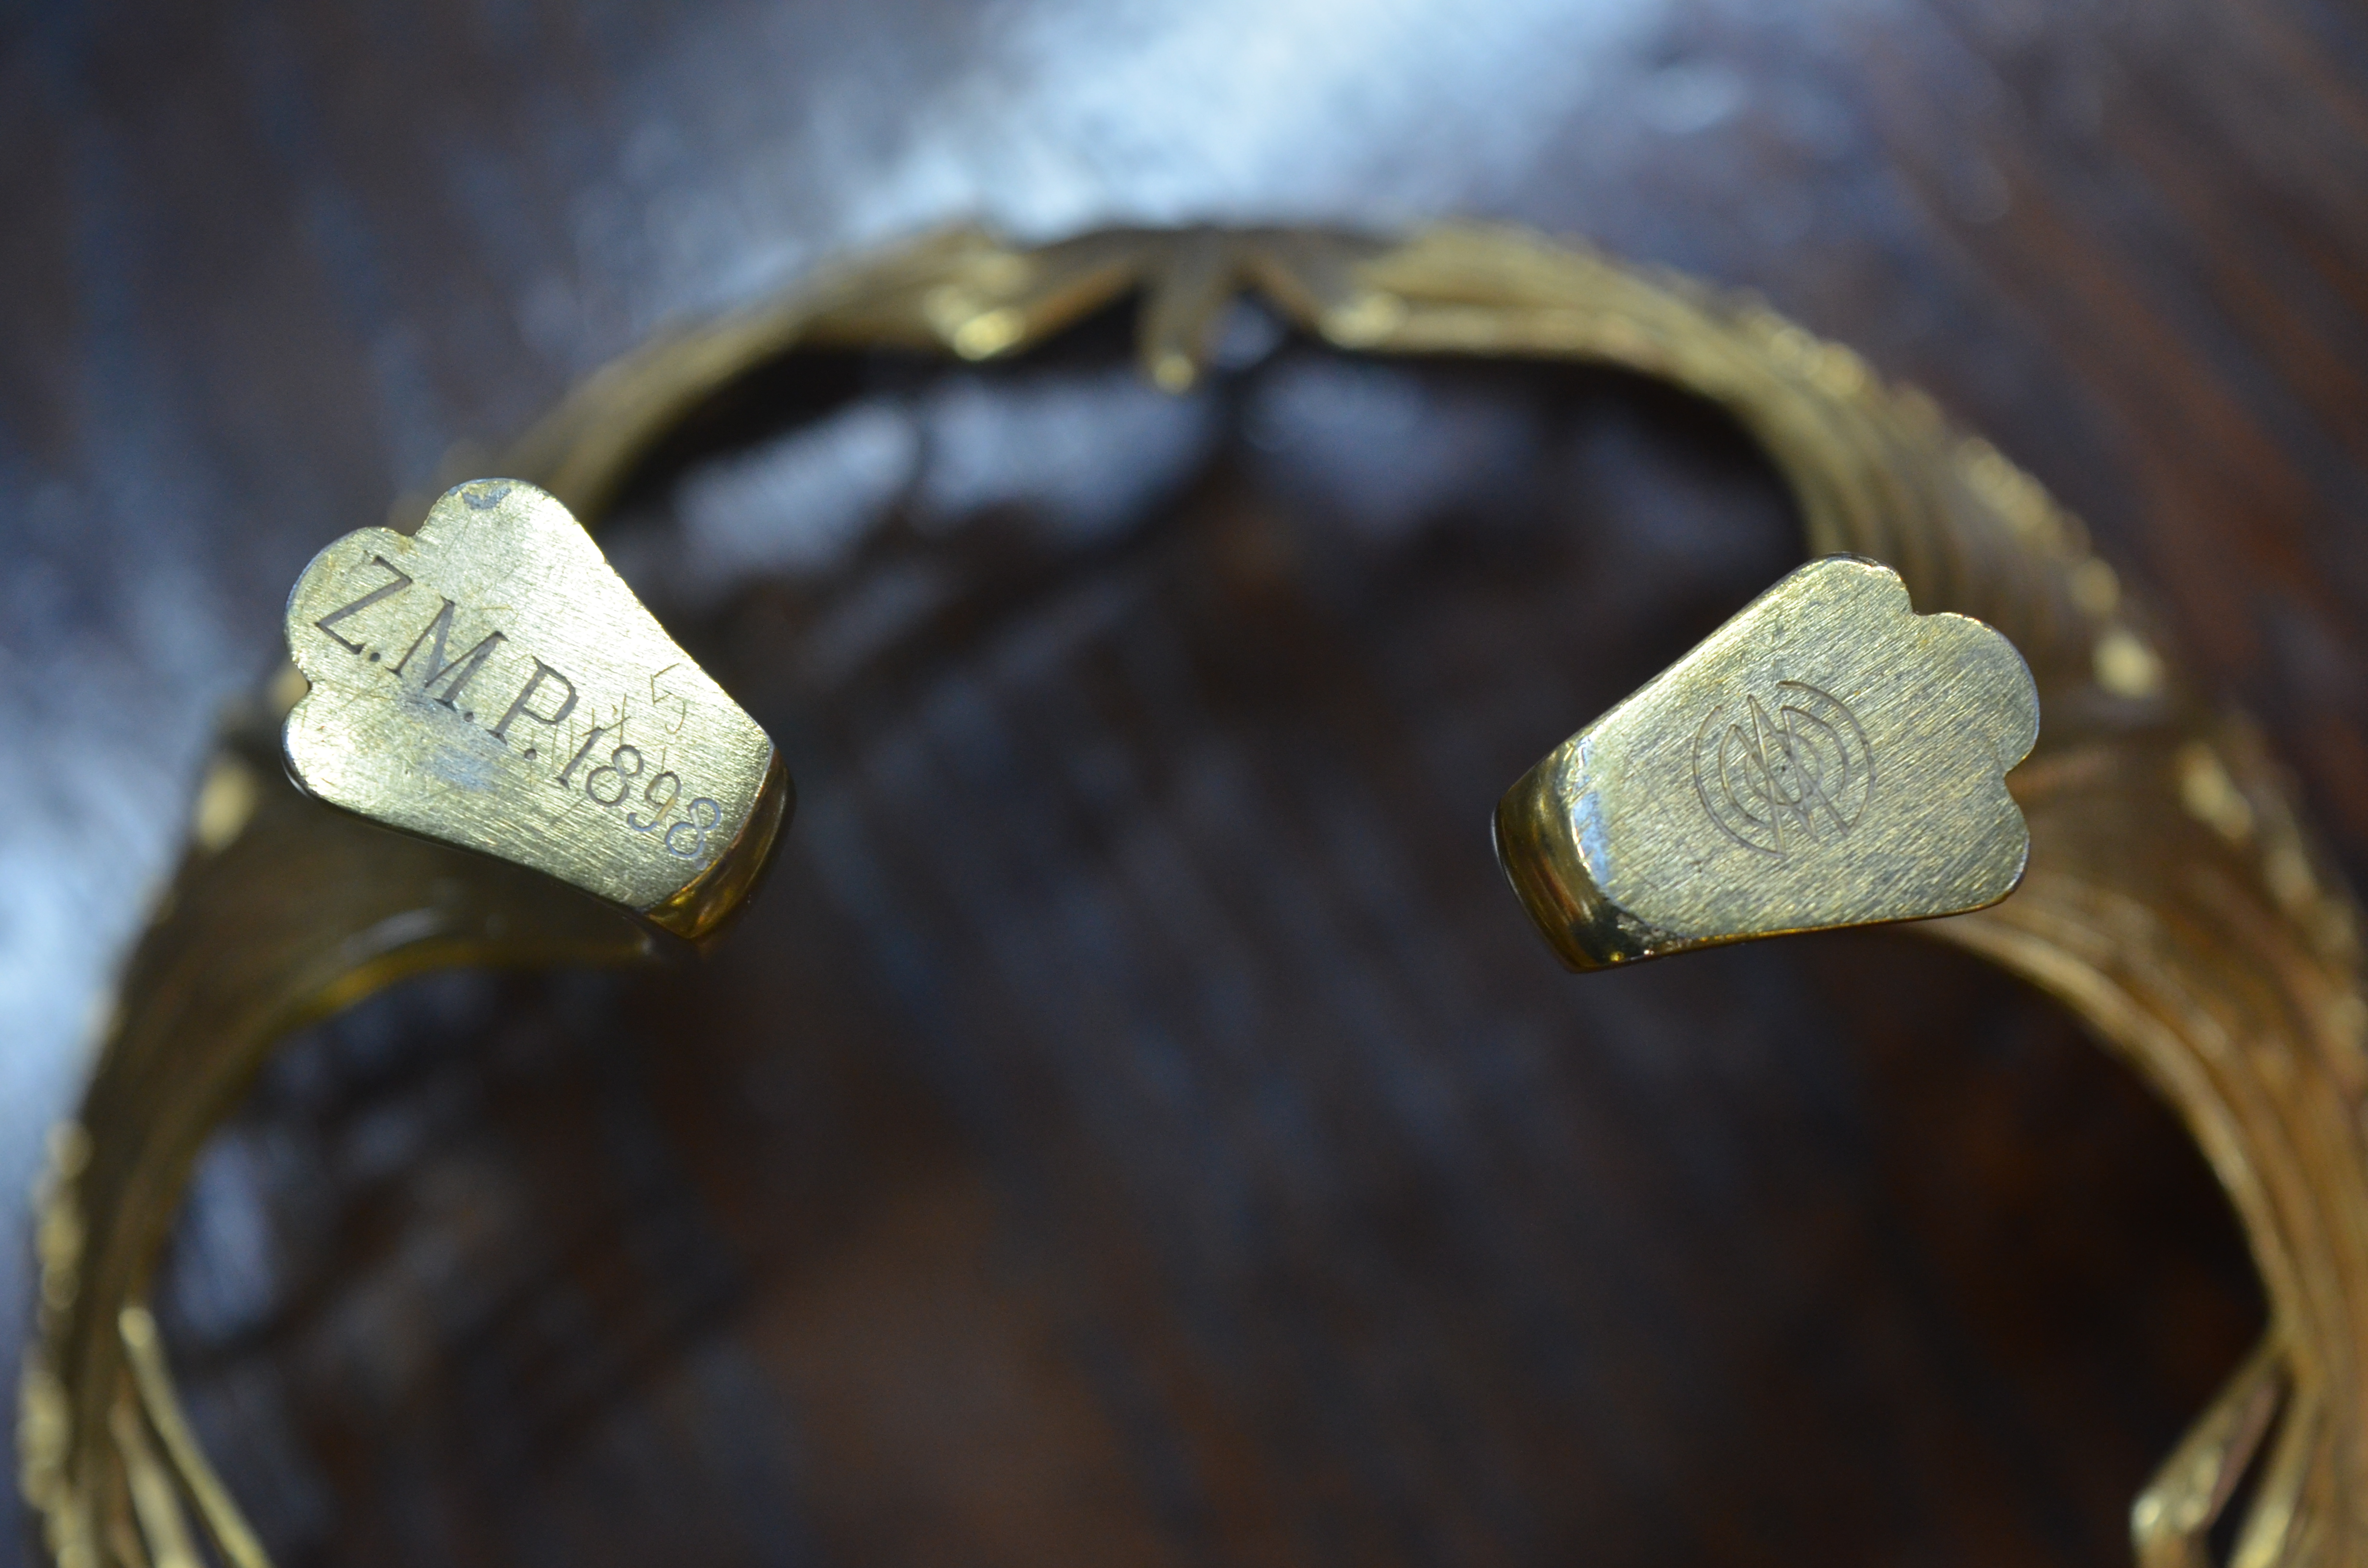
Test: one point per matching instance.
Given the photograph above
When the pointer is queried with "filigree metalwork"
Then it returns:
(2173, 898)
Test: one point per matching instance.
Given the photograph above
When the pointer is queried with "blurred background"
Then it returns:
(1137, 1126)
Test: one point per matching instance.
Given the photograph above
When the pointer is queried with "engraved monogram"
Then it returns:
(1777, 780)
(547, 698)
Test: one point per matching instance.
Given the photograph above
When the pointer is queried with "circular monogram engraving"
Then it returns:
(1789, 772)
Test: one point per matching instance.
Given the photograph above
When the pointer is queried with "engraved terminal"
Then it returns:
(1827, 757)
(674, 820)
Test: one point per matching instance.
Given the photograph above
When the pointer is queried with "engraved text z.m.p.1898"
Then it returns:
(491, 682)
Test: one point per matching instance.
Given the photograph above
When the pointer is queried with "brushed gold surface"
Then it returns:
(489, 681)
(1827, 757)
(2173, 897)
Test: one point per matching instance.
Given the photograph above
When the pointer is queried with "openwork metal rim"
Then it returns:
(2174, 900)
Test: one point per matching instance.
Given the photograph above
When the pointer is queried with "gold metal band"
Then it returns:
(2172, 898)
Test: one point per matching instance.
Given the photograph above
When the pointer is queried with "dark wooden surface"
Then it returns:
(1135, 1126)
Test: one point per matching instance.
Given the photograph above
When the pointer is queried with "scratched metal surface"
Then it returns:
(264, 263)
